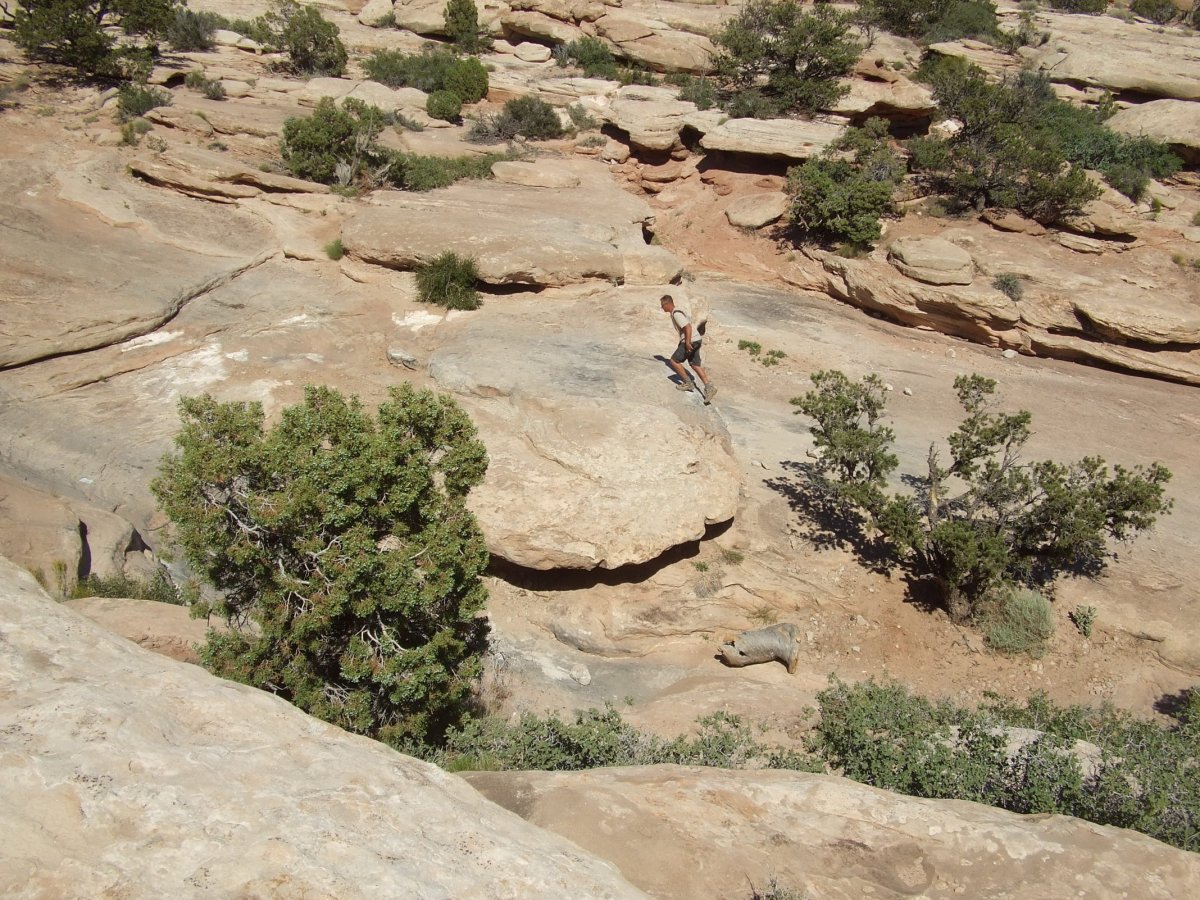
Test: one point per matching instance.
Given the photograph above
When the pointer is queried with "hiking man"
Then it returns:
(688, 350)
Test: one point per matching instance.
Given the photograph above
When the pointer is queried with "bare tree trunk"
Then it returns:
(958, 604)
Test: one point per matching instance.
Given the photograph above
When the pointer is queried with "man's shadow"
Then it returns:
(673, 376)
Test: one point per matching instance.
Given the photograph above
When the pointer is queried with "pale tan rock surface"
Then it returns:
(518, 234)
(158, 779)
(161, 628)
(756, 210)
(680, 832)
(653, 43)
(597, 461)
(652, 116)
(785, 138)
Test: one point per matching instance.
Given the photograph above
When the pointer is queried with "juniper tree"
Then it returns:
(345, 559)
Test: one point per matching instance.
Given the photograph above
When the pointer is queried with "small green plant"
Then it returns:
(581, 119)
(752, 347)
(698, 89)
(732, 557)
(1009, 284)
(700, 566)
(590, 54)
(1082, 7)
(1022, 622)
(334, 249)
(1186, 262)
(764, 614)
(449, 280)
(773, 357)
(404, 123)
(444, 105)
(776, 890)
(1196, 218)
(1084, 618)
(212, 88)
(595, 140)
(132, 131)
(134, 100)
(426, 173)
(62, 581)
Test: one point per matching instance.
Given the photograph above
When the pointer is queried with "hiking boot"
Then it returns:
(685, 386)
(710, 391)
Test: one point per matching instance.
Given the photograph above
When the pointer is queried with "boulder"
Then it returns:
(614, 151)
(680, 833)
(585, 433)
(893, 97)
(159, 779)
(1174, 122)
(534, 174)
(655, 45)
(780, 138)
(932, 260)
(376, 13)
(652, 116)
(756, 210)
(539, 27)
(1006, 220)
(420, 16)
(519, 234)
(531, 52)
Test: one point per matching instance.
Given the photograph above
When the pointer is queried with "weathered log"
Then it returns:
(781, 642)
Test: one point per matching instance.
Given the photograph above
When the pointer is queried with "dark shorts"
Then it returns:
(681, 354)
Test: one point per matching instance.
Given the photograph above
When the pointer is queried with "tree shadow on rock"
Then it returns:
(827, 521)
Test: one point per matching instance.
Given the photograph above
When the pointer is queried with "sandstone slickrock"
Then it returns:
(680, 832)
(158, 779)
(932, 260)
(652, 116)
(518, 234)
(654, 44)
(785, 138)
(596, 462)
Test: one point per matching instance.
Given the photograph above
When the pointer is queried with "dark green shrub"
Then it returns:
(134, 100)
(801, 55)
(310, 41)
(348, 565)
(427, 173)
(532, 117)
(210, 87)
(843, 199)
(427, 71)
(82, 34)
(1158, 11)
(193, 31)
(590, 54)
(256, 29)
(444, 105)
(965, 19)
(334, 145)
(449, 280)
(695, 89)
(1009, 285)
(468, 78)
(334, 249)
(908, 18)
(1086, 7)
(461, 20)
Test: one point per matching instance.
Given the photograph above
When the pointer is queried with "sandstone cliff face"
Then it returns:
(127, 774)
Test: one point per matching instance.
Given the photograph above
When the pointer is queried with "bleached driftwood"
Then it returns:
(781, 642)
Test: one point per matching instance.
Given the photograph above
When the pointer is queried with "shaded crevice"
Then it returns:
(552, 580)
(84, 568)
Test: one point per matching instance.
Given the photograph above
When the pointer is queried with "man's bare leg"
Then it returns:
(680, 371)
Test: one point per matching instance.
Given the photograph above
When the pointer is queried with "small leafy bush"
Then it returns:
(193, 31)
(1159, 12)
(700, 90)
(157, 588)
(444, 105)
(590, 54)
(449, 280)
(1085, 7)
(336, 144)
(1009, 284)
(581, 119)
(468, 78)
(1084, 618)
(530, 116)
(209, 87)
(1022, 622)
(134, 100)
(843, 199)
(426, 173)
(132, 131)
(334, 249)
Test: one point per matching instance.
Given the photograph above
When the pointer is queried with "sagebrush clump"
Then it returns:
(449, 280)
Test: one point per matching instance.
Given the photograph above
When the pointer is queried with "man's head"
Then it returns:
(668, 304)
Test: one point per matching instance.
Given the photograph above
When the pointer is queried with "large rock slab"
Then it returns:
(655, 44)
(680, 832)
(135, 257)
(756, 210)
(781, 138)
(596, 460)
(518, 234)
(932, 260)
(158, 779)
(1174, 122)
(652, 116)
